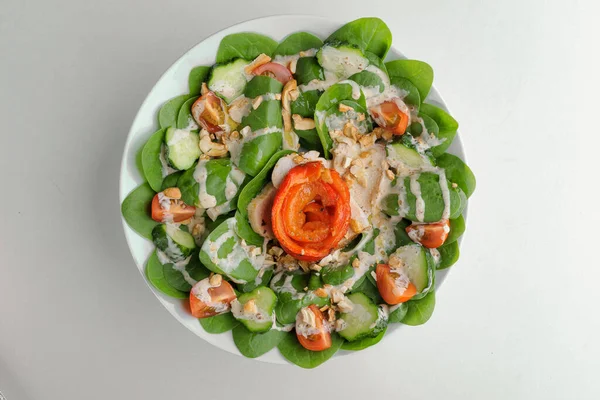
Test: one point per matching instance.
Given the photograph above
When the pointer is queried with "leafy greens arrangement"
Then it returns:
(300, 195)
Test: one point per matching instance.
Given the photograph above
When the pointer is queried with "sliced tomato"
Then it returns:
(178, 211)
(431, 236)
(386, 284)
(222, 294)
(209, 112)
(319, 341)
(389, 116)
(311, 211)
(274, 70)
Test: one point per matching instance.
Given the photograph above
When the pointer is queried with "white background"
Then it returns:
(518, 315)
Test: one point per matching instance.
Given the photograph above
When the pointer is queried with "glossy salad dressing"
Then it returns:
(205, 199)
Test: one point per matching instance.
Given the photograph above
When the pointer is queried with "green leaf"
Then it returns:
(309, 139)
(364, 343)
(250, 191)
(367, 78)
(419, 311)
(458, 172)
(167, 115)
(308, 69)
(254, 345)
(185, 113)
(260, 85)
(246, 45)
(195, 269)
(416, 129)
(413, 98)
(431, 193)
(337, 274)
(398, 314)
(370, 34)
(369, 288)
(197, 76)
(268, 114)
(402, 238)
(297, 42)
(449, 254)
(457, 228)
(447, 127)
(138, 160)
(155, 274)
(293, 351)
(219, 323)
(418, 72)
(171, 180)
(151, 159)
(306, 103)
(136, 210)
(189, 187)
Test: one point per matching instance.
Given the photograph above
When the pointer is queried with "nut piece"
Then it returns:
(350, 131)
(256, 102)
(287, 120)
(198, 230)
(356, 263)
(275, 251)
(315, 267)
(250, 307)
(344, 108)
(321, 292)
(303, 124)
(258, 61)
(367, 140)
(345, 305)
(210, 148)
(360, 117)
(304, 265)
(330, 314)
(454, 185)
(357, 227)
(288, 94)
(185, 222)
(215, 280)
(390, 174)
(172, 192)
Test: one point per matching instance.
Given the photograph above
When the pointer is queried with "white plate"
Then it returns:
(175, 82)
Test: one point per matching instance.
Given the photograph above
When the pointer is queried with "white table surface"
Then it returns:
(518, 316)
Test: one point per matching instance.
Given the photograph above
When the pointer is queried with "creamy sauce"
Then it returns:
(200, 291)
(201, 175)
(415, 189)
(165, 204)
(172, 251)
(178, 136)
(292, 59)
(286, 286)
(177, 266)
(237, 309)
(162, 156)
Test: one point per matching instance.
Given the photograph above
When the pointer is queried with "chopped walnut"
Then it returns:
(215, 280)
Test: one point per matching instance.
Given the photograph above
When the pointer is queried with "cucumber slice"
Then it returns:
(365, 320)
(228, 80)
(404, 153)
(342, 59)
(418, 266)
(182, 148)
(262, 318)
(172, 241)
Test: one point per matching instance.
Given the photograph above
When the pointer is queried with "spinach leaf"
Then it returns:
(297, 42)
(260, 85)
(402, 238)
(449, 254)
(370, 34)
(138, 160)
(195, 269)
(308, 69)
(458, 172)
(376, 61)
(418, 72)
(254, 345)
(189, 187)
(250, 286)
(256, 153)
(419, 311)
(167, 115)
(268, 114)
(367, 79)
(151, 159)
(398, 314)
(364, 343)
(219, 323)
(413, 98)
(416, 129)
(433, 198)
(334, 95)
(246, 45)
(136, 210)
(337, 274)
(217, 171)
(305, 104)
(309, 139)
(155, 274)
(369, 288)
(197, 76)
(250, 191)
(447, 127)
(171, 180)
(185, 114)
(457, 228)
(293, 351)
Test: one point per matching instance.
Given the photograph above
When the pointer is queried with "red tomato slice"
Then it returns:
(386, 284)
(431, 236)
(209, 112)
(389, 116)
(319, 341)
(274, 70)
(177, 212)
(222, 294)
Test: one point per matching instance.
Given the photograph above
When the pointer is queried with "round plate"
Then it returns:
(175, 82)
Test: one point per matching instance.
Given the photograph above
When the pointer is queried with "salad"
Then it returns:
(300, 195)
